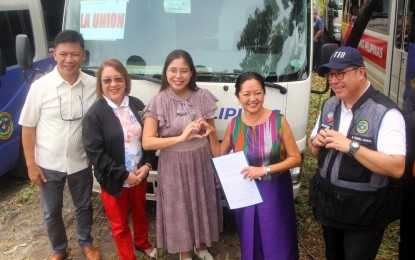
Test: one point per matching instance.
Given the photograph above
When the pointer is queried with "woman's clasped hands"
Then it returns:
(135, 178)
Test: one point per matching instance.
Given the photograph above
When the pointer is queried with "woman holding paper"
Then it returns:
(189, 213)
(266, 230)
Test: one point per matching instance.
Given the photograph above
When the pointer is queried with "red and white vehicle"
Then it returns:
(387, 45)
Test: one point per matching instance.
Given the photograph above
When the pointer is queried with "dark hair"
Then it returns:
(247, 76)
(69, 36)
(177, 54)
(118, 66)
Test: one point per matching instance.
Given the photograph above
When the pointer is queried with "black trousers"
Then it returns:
(351, 245)
(407, 228)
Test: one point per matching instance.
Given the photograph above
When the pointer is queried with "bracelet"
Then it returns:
(267, 170)
(149, 165)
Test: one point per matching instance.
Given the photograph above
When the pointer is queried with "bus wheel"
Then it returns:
(20, 171)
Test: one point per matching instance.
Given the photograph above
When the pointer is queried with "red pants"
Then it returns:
(131, 200)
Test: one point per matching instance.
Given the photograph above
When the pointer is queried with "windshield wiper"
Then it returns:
(90, 70)
(219, 77)
(147, 78)
(231, 77)
(283, 90)
(216, 76)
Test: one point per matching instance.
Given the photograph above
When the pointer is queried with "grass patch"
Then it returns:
(25, 195)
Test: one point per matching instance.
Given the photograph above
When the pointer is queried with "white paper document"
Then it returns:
(239, 192)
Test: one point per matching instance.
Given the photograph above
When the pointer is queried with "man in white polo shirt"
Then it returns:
(52, 142)
(359, 140)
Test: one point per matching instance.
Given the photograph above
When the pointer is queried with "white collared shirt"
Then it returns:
(391, 137)
(58, 142)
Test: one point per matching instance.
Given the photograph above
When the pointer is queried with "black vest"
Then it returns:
(344, 193)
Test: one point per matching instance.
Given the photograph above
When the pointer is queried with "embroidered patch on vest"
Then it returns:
(362, 127)
(329, 117)
(6, 126)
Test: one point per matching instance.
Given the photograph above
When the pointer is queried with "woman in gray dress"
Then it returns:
(189, 213)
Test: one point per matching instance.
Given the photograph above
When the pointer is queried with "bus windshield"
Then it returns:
(224, 38)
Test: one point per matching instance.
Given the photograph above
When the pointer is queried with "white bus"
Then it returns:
(40, 21)
(224, 37)
(388, 45)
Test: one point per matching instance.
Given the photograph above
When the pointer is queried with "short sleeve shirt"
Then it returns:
(50, 100)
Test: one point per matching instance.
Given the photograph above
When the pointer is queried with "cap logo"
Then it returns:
(339, 54)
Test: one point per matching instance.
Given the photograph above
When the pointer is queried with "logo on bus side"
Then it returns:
(6, 125)
(226, 113)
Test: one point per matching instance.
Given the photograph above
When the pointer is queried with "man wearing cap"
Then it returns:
(359, 140)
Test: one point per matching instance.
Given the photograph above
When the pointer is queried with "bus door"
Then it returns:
(40, 21)
(399, 64)
(409, 38)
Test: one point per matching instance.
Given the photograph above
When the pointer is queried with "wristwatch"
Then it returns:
(267, 170)
(353, 147)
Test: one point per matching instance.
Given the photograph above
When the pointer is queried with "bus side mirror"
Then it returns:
(2, 64)
(326, 51)
(24, 53)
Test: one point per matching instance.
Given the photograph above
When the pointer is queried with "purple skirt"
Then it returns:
(268, 230)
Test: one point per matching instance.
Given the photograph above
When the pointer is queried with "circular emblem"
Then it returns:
(362, 127)
(329, 117)
(6, 125)
(141, 113)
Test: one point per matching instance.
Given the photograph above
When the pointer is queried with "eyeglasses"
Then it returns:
(107, 81)
(338, 75)
(82, 107)
(182, 72)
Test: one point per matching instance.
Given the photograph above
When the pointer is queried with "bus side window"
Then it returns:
(411, 33)
(353, 12)
(13, 23)
(403, 27)
(52, 15)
